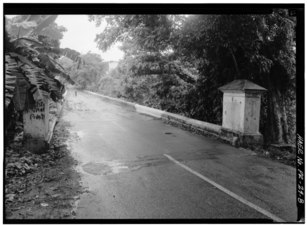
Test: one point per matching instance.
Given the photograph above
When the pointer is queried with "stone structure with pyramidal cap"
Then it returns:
(241, 112)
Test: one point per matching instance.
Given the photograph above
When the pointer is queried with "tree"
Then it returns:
(31, 64)
(208, 51)
(147, 43)
(89, 76)
(254, 47)
(151, 71)
(27, 25)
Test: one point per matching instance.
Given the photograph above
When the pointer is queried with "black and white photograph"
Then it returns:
(152, 113)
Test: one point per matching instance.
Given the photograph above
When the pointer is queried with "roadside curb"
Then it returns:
(203, 127)
(114, 100)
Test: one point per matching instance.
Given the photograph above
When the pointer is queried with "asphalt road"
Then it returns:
(136, 167)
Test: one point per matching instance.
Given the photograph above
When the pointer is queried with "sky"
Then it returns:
(80, 36)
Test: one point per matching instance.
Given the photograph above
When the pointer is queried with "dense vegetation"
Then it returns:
(32, 70)
(90, 75)
(176, 63)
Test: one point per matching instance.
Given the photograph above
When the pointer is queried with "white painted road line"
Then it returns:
(235, 196)
(118, 126)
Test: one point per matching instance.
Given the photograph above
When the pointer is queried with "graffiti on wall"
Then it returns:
(38, 112)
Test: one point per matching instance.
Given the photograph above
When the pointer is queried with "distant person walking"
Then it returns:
(76, 93)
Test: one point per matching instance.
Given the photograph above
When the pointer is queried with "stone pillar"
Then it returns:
(241, 112)
(36, 123)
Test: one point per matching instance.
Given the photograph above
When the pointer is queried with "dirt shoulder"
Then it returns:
(44, 186)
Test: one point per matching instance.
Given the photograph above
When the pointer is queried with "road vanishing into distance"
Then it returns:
(134, 166)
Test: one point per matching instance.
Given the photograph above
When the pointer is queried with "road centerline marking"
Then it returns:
(118, 126)
(228, 192)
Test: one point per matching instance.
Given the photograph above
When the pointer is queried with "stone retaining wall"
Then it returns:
(203, 127)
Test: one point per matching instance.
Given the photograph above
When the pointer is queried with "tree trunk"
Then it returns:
(238, 75)
(277, 126)
(285, 127)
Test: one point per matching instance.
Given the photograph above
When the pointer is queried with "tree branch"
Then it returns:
(235, 64)
(179, 72)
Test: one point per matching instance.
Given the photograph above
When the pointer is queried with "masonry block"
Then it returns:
(36, 124)
(241, 112)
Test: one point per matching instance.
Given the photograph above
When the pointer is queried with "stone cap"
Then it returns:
(241, 85)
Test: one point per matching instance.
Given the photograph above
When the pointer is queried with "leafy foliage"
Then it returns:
(32, 60)
(204, 52)
(147, 43)
(29, 25)
(92, 71)
(11, 73)
(254, 47)
(32, 70)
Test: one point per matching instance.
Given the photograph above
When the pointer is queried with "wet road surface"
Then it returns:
(124, 160)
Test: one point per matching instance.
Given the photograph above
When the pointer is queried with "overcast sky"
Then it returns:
(80, 36)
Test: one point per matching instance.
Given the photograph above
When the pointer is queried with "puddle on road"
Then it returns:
(96, 168)
(115, 167)
(105, 168)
